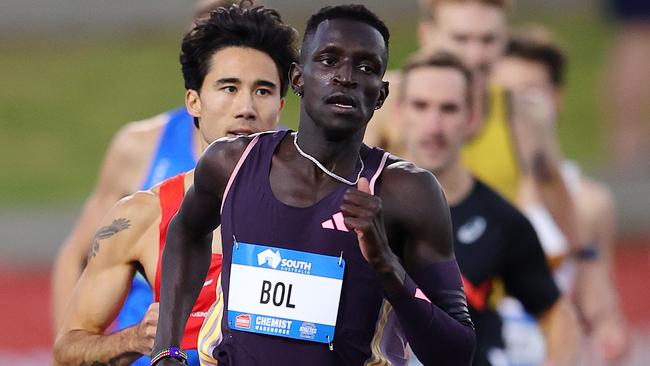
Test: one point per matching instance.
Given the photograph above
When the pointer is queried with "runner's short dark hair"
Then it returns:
(257, 27)
(351, 12)
(542, 50)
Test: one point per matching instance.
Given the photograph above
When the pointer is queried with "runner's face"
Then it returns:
(476, 32)
(240, 94)
(341, 76)
(436, 115)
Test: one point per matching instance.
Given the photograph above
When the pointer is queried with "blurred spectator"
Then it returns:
(494, 243)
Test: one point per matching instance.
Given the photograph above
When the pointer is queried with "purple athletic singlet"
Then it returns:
(252, 214)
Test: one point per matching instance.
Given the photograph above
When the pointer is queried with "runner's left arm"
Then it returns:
(187, 253)
(423, 285)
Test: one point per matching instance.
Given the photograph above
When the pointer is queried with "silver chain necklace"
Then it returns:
(321, 167)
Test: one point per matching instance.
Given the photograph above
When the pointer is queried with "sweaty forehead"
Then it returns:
(350, 35)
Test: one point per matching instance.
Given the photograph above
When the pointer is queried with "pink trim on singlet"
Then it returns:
(420, 295)
(378, 173)
(237, 167)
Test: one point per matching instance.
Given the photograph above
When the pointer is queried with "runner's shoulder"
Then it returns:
(188, 178)
(596, 202)
(141, 209)
(136, 139)
(130, 220)
(221, 157)
(228, 148)
(499, 208)
(404, 180)
(598, 196)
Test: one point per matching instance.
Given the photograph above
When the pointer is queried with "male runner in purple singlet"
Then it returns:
(339, 253)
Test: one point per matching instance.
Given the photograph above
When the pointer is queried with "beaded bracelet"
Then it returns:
(171, 352)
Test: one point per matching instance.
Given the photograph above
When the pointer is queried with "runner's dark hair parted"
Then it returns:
(351, 12)
(257, 27)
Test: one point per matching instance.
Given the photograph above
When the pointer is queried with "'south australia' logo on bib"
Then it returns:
(273, 259)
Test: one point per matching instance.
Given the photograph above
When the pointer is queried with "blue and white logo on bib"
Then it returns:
(284, 292)
(270, 258)
(308, 330)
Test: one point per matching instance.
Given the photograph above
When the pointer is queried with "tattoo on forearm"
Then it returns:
(106, 232)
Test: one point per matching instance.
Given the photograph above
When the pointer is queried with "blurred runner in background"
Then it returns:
(535, 67)
(493, 241)
(476, 31)
(141, 155)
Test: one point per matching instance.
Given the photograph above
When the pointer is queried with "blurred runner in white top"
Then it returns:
(535, 67)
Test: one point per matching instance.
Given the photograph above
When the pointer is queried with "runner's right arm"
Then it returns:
(103, 286)
(410, 216)
(186, 257)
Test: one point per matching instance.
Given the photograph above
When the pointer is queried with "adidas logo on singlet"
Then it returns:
(335, 223)
(471, 230)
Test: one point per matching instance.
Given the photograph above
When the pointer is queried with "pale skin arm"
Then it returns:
(534, 119)
(561, 332)
(121, 160)
(596, 294)
(101, 291)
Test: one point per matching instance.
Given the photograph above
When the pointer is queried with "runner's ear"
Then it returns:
(295, 75)
(193, 103)
(383, 94)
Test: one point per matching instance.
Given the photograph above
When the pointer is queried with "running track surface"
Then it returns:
(26, 335)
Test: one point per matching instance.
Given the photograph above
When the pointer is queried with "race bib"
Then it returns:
(525, 344)
(284, 292)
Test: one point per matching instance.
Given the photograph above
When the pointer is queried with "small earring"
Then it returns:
(298, 93)
(377, 106)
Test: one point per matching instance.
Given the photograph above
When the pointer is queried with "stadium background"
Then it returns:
(74, 71)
